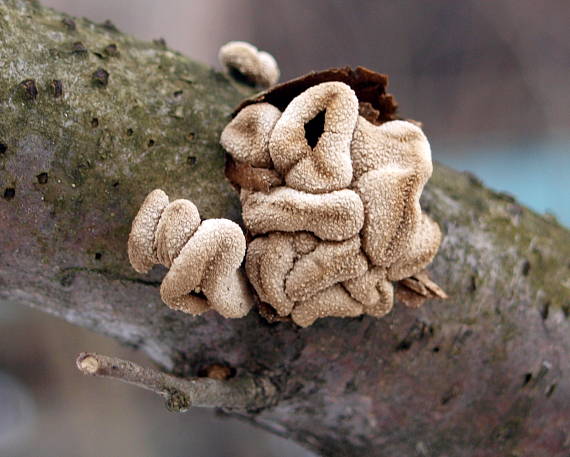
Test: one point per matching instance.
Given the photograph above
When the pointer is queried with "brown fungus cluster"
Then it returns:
(204, 257)
(330, 183)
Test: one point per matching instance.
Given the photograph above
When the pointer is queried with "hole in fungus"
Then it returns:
(150, 143)
(42, 178)
(9, 193)
(545, 311)
(191, 160)
(315, 128)
(130, 132)
(94, 122)
(526, 379)
(3, 148)
(98, 256)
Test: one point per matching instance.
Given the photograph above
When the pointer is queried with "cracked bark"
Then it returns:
(484, 373)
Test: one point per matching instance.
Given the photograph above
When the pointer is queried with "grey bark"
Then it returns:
(485, 373)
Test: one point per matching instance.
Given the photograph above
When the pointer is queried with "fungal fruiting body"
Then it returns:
(342, 221)
(203, 257)
(246, 62)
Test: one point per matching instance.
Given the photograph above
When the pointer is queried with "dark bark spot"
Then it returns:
(418, 331)
(545, 311)
(69, 24)
(108, 25)
(9, 193)
(29, 89)
(3, 148)
(449, 395)
(191, 160)
(507, 431)
(566, 310)
(42, 178)
(473, 283)
(178, 93)
(160, 42)
(56, 88)
(190, 136)
(98, 256)
(111, 50)
(526, 379)
(100, 77)
(404, 345)
(315, 128)
(525, 268)
(550, 390)
(67, 279)
(116, 184)
(94, 122)
(436, 349)
(130, 132)
(150, 143)
(79, 48)
(350, 387)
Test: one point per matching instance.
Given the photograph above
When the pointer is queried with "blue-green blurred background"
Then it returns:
(489, 81)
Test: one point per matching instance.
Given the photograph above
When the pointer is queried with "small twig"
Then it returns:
(245, 393)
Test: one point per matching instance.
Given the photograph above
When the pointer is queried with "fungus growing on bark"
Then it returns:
(245, 62)
(342, 220)
(204, 257)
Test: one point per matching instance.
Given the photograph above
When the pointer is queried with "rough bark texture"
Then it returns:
(485, 373)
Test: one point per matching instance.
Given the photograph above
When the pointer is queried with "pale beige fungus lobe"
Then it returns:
(204, 257)
(326, 166)
(347, 221)
(246, 138)
(336, 215)
(259, 68)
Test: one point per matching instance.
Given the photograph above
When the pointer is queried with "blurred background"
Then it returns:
(489, 81)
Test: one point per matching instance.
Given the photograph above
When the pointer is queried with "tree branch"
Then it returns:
(243, 393)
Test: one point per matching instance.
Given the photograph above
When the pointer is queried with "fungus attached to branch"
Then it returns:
(246, 138)
(245, 62)
(335, 215)
(346, 221)
(204, 257)
(327, 166)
